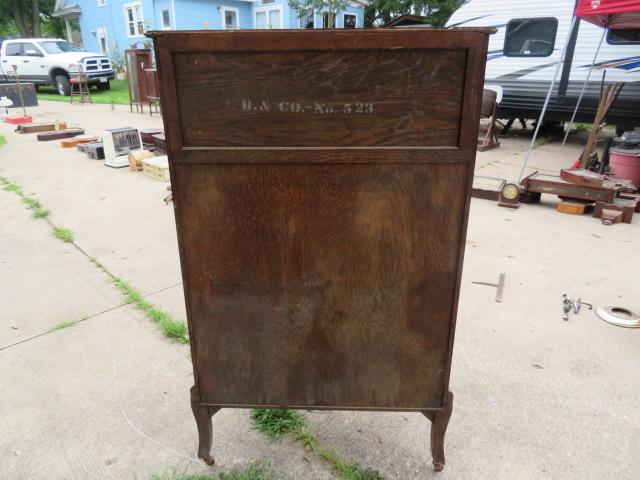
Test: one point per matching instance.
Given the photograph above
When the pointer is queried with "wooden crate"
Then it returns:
(321, 182)
(573, 207)
(156, 167)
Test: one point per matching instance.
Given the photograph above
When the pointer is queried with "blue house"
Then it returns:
(111, 26)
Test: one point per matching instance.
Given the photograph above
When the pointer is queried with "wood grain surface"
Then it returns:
(322, 251)
(308, 98)
(321, 284)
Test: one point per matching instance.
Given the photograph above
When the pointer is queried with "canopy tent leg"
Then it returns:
(546, 102)
(584, 87)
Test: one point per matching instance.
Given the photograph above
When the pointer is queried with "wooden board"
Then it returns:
(155, 167)
(321, 181)
(573, 207)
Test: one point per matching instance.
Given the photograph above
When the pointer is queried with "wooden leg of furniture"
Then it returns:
(203, 416)
(439, 422)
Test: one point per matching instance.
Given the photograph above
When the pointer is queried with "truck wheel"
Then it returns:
(104, 86)
(63, 86)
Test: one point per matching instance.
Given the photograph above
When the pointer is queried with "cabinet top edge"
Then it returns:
(320, 32)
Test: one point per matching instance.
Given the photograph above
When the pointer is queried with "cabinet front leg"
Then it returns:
(203, 416)
(439, 422)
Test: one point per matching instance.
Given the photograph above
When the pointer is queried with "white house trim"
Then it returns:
(268, 8)
(223, 10)
(132, 6)
(173, 14)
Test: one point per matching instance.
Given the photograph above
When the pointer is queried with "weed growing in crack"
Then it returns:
(63, 234)
(61, 325)
(275, 422)
(253, 472)
(170, 327)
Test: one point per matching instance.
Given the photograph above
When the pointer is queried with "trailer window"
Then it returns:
(623, 36)
(530, 37)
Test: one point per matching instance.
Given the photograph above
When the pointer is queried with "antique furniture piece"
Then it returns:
(321, 189)
(80, 89)
(153, 90)
(137, 61)
(159, 143)
(510, 195)
(118, 143)
(491, 97)
(59, 134)
(555, 185)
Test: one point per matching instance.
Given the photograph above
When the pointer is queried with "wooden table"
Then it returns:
(321, 183)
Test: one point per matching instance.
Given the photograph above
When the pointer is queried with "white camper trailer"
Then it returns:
(524, 53)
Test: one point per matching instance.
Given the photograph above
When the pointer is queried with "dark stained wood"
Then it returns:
(321, 246)
(315, 99)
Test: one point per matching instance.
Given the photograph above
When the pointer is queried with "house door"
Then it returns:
(268, 17)
(103, 41)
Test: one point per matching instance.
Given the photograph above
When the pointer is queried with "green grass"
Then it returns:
(119, 94)
(63, 324)
(547, 138)
(347, 470)
(2, 140)
(171, 327)
(12, 187)
(253, 472)
(40, 212)
(63, 234)
(275, 422)
(582, 127)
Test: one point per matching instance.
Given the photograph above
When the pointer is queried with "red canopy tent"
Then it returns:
(616, 14)
(610, 14)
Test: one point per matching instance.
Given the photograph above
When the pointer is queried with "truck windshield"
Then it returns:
(58, 46)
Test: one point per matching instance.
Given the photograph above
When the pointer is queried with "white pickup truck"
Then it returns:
(52, 61)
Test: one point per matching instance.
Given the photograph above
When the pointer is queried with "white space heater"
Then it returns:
(118, 143)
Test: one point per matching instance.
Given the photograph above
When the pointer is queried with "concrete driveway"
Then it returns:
(108, 397)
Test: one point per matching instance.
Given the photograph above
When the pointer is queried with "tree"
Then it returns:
(29, 18)
(330, 7)
(379, 12)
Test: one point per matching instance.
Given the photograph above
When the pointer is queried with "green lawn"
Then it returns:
(119, 94)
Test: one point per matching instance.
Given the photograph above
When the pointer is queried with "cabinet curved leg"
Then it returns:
(203, 416)
(439, 422)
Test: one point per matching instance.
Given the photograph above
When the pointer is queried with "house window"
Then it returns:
(102, 3)
(530, 37)
(134, 19)
(166, 20)
(328, 20)
(623, 36)
(230, 17)
(268, 17)
(307, 20)
(350, 21)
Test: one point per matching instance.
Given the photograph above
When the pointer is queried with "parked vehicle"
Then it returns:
(524, 53)
(52, 61)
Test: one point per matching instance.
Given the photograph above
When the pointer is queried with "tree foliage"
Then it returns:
(29, 18)
(332, 7)
(379, 12)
